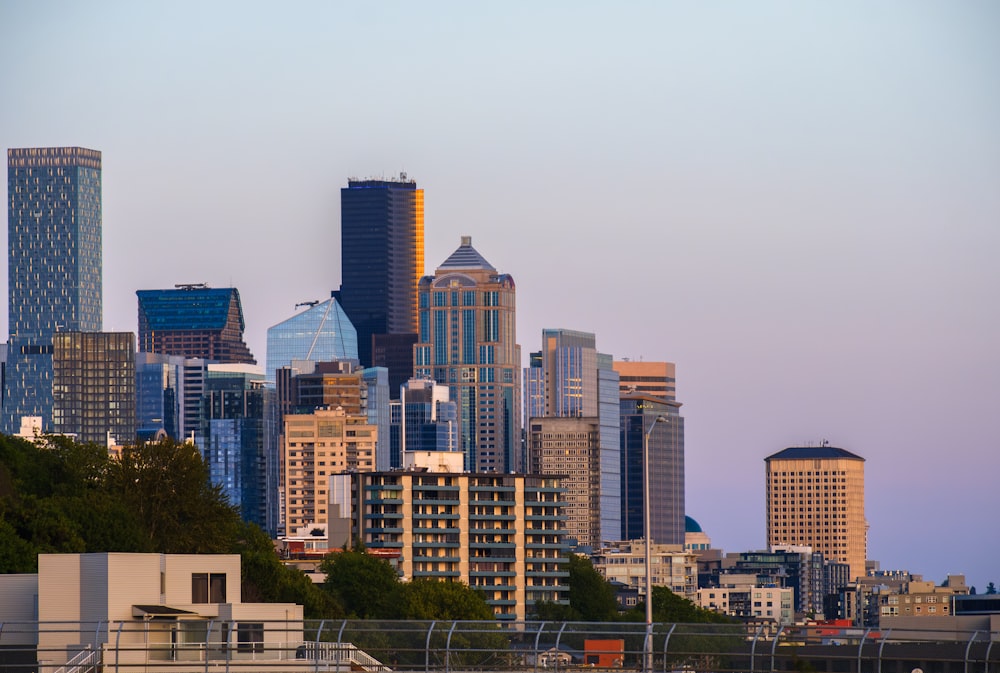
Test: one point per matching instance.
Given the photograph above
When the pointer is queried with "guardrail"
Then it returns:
(207, 646)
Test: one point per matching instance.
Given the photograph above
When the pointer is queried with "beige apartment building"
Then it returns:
(571, 447)
(314, 447)
(816, 498)
(923, 599)
(671, 566)
(751, 601)
(501, 534)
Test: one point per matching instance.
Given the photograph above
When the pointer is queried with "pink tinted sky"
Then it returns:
(796, 203)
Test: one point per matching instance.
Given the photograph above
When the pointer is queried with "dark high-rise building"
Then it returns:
(93, 386)
(194, 321)
(54, 273)
(395, 353)
(661, 419)
(382, 260)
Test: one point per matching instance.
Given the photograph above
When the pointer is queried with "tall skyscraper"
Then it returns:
(467, 342)
(54, 273)
(816, 498)
(570, 381)
(639, 414)
(194, 321)
(382, 260)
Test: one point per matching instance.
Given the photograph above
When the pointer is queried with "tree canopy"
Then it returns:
(368, 587)
(61, 496)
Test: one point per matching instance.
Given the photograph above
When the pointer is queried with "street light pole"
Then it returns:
(646, 528)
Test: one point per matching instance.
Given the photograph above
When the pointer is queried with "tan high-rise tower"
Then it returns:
(466, 342)
(816, 497)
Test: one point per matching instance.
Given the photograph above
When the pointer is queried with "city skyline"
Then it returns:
(796, 205)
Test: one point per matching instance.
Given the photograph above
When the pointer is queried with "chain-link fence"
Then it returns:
(177, 645)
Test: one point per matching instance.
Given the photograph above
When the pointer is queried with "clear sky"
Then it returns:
(796, 202)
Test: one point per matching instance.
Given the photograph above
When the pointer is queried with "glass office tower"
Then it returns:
(321, 333)
(54, 272)
(666, 468)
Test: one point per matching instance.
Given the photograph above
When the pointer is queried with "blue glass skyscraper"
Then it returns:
(54, 271)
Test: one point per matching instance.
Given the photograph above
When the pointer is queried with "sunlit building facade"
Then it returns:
(501, 534)
(647, 378)
(314, 447)
(816, 498)
(54, 267)
(467, 342)
(671, 565)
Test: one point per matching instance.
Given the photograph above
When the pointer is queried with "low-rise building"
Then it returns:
(923, 599)
(671, 565)
(135, 611)
(750, 602)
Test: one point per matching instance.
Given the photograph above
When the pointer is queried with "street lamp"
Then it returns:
(648, 664)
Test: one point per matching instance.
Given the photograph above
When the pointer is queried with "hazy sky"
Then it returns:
(796, 202)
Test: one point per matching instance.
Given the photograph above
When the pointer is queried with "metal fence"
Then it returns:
(206, 646)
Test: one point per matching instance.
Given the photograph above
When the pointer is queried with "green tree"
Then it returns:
(991, 588)
(362, 583)
(17, 555)
(668, 607)
(430, 599)
(590, 595)
(267, 580)
(166, 484)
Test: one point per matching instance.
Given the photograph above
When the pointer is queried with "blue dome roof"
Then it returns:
(691, 526)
